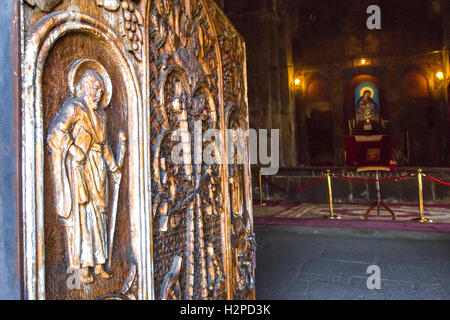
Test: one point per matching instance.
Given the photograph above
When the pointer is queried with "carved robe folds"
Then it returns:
(84, 211)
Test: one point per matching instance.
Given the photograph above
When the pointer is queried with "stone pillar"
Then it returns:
(9, 226)
(339, 127)
(302, 132)
(446, 62)
(268, 37)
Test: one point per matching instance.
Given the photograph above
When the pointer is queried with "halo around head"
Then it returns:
(76, 70)
(367, 89)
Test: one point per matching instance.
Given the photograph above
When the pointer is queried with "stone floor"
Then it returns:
(320, 263)
(299, 210)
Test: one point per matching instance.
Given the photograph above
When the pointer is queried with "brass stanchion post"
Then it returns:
(260, 190)
(330, 195)
(419, 181)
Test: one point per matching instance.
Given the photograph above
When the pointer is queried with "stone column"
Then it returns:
(339, 127)
(9, 128)
(268, 37)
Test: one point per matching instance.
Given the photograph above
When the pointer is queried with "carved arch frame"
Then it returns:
(241, 110)
(35, 49)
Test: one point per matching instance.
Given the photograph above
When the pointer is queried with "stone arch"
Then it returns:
(418, 116)
(317, 89)
(415, 85)
(349, 96)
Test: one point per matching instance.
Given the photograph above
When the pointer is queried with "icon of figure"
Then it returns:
(366, 107)
(81, 159)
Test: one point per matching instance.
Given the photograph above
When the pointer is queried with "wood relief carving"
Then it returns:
(216, 275)
(44, 5)
(128, 291)
(243, 240)
(85, 208)
(111, 5)
(132, 22)
(242, 236)
(171, 289)
(81, 158)
(110, 89)
(188, 206)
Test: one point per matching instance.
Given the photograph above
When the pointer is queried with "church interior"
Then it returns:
(117, 184)
(364, 121)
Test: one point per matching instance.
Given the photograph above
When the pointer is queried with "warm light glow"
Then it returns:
(440, 75)
(297, 81)
(363, 61)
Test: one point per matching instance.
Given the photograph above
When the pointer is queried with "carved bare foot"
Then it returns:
(86, 277)
(99, 270)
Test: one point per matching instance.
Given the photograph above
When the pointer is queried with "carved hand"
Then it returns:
(77, 154)
(116, 175)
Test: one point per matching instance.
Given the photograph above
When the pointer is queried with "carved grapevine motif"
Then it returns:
(188, 200)
(132, 22)
(111, 5)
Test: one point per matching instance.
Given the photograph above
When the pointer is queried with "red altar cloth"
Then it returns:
(373, 152)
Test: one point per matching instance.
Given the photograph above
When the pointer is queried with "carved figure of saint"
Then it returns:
(81, 159)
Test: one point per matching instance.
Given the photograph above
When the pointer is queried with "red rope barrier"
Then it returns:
(309, 185)
(436, 180)
(373, 180)
(299, 189)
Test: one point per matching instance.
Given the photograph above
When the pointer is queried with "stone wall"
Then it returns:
(267, 30)
(9, 224)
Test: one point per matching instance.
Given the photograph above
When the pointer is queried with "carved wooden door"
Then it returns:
(110, 89)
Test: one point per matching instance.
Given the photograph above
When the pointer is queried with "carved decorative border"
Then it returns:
(241, 110)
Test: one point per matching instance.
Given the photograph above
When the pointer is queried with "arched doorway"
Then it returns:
(319, 122)
(416, 116)
(359, 90)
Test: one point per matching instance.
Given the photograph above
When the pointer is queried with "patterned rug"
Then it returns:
(289, 210)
